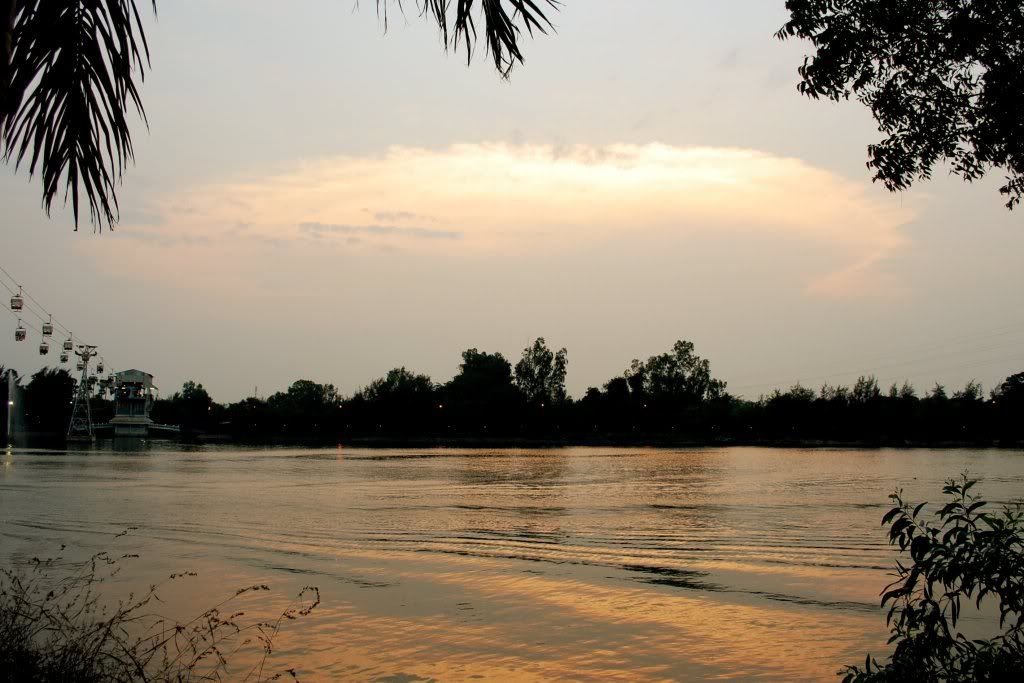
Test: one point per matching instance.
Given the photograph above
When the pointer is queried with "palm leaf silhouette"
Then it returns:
(69, 74)
(503, 24)
(70, 82)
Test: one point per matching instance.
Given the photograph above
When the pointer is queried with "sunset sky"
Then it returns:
(316, 198)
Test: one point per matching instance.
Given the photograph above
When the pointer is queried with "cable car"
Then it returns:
(80, 365)
(99, 367)
(20, 332)
(68, 345)
(44, 348)
(17, 301)
(63, 356)
(48, 328)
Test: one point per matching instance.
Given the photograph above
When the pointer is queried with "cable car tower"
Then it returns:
(81, 427)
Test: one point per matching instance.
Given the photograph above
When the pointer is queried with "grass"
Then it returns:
(55, 625)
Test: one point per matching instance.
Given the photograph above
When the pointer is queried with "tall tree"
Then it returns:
(482, 395)
(399, 384)
(540, 373)
(48, 400)
(307, 406)
(401, 401)
(190, 408)
(1011, 391)
(679, 376)
(1008, 401)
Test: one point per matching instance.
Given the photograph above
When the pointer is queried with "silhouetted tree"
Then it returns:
(400, 402)
(191, 408)
(612, 411)
(790, 414)
(668, 388)
(969, 408)
(307, 407)
(865, 390)
(944, 79)
(679, 377)
(906, 392)
(48, 397)
(1011, 391)
(482, 397)
(899, 412)
(540, 374)
(1008, 401)
(252, 419)
(971, 393)
(398, 384)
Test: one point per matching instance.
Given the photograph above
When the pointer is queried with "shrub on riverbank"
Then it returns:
(968, 556)
(55, 626)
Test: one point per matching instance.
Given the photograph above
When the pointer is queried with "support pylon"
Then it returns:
(80, 426)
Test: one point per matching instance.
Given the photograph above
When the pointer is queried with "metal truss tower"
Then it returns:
(81, 427)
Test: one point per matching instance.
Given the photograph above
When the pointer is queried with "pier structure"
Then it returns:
(134, 395)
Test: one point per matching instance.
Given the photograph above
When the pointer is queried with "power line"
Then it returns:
(36, 309)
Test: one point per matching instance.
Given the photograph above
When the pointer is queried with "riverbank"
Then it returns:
(44, 440)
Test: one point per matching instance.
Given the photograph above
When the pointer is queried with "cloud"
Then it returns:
(321, 229)
(401, 216)
(524, 199)
(164, 239)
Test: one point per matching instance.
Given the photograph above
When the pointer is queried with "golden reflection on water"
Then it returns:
(489, 619)
(535, 627)
(572, 564)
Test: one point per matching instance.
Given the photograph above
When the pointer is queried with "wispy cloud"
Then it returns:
(321, 229)
(401, 217)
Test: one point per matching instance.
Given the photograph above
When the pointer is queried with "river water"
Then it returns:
(457, 564)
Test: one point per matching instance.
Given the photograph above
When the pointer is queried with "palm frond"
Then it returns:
(69, 80)
(72, 81)
(504, 22)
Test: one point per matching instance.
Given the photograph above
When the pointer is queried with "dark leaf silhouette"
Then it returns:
(955, 559)
(503, 22)
(69, 83)
(944, 80)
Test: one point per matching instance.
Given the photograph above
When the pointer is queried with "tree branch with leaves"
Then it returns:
(944, 79)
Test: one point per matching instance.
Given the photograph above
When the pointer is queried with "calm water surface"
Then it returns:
(455, 564)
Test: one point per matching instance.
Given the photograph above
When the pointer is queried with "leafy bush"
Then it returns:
(54, 626)
(968, 556)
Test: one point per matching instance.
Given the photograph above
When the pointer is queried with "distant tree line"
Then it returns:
(670, 397)
(43, 404)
